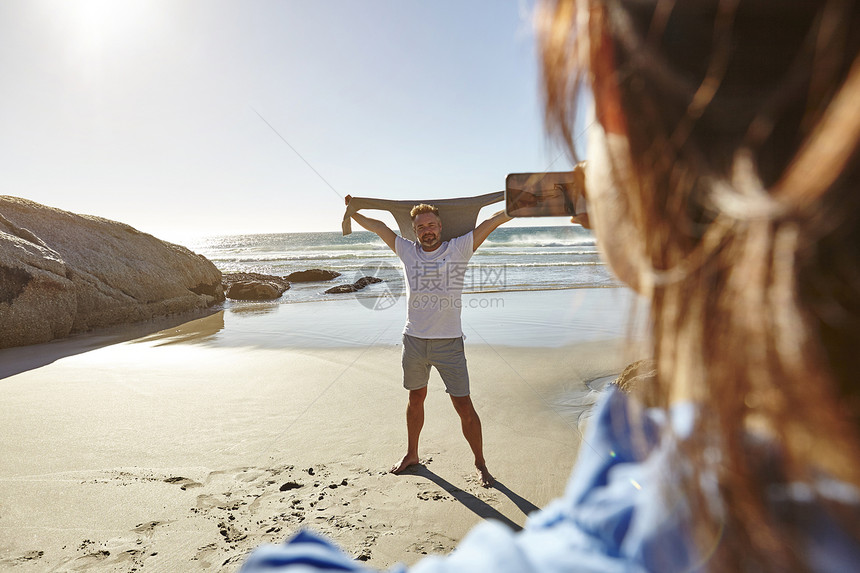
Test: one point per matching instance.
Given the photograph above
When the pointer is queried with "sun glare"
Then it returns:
(98, 27)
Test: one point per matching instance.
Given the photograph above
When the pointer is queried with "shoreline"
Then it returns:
(188, 447)
(529, 319)
(550, 312)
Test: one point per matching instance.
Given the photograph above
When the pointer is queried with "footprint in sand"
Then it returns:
(428, 495)
(102, 558)
(250, 474)
(206, 555)
(184, 483)
(433, 543)
(25, 558)
(148, 527)
(479, 490)
(230, 533)
(290, 485)
(95, 557)
(119, 554)
(206, 501)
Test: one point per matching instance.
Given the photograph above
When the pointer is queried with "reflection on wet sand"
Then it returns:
(23, 358)
(195, 331)
(254, 308)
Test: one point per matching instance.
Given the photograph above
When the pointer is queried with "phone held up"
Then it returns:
(548, 194)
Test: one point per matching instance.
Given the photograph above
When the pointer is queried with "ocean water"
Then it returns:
(511, 259)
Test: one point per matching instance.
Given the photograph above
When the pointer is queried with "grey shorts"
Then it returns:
(446, 354)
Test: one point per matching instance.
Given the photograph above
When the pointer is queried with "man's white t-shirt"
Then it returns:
(434, 285)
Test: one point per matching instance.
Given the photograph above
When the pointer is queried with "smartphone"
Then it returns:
(548, 194)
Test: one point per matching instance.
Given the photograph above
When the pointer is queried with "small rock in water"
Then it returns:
(357, 285)
(364, 281)
(341, 289)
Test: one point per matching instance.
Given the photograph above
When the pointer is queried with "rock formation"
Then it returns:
(311, 275)
(357, 285)
(254, 286)
(62, 273)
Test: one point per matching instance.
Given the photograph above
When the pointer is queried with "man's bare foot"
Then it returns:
(408, 460)
(485, 477)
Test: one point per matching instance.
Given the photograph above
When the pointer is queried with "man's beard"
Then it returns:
(429, 239)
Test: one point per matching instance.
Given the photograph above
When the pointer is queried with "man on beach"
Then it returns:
(433, 336)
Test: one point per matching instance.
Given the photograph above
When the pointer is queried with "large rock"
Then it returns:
(312, 275)
(254, 286)
(253, 290)
(62, 273)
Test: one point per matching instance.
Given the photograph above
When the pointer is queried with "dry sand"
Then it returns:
(172, 453)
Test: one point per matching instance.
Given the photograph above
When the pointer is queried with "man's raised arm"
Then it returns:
(483, 230)
(375, 226)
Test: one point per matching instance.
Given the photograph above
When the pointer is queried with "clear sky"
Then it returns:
(157, 113)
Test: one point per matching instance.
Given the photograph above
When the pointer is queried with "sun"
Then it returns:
(97, 27)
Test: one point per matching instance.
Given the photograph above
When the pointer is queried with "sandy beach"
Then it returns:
(182, 445)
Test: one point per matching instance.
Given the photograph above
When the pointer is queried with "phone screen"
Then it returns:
(548, 194)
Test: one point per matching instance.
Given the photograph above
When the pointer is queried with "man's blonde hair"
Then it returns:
(423, 208)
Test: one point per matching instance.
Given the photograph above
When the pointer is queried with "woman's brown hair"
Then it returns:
(743, 122)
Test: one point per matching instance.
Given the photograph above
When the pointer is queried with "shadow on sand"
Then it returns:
(480, 508)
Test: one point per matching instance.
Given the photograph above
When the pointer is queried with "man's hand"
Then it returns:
(581, 219)
(581, 197)
(388, 236)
